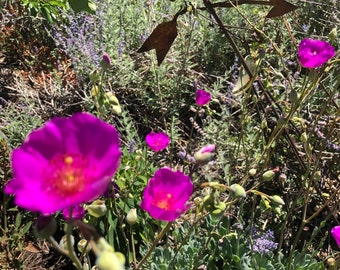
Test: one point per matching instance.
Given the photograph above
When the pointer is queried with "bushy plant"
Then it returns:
(228, 149)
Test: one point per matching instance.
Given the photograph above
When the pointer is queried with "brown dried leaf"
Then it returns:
(161, 39)
(280, 8)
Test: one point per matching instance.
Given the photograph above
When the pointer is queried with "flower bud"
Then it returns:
(216, 212)
(220, 205)
(95, 91)
(264, 203)
(282, 178)
(103, 245)
(105, 63)
(111, 101)
(331, 261)
(205, 154)
(276, 200)
(83, 246)
(97, 208)
(268, 175)
(252, 172)
(132, 217)
(45, 227)
(94, 76)
(317, 175)
(238, 191)
(277, 210)
(303, 137)
(110, 261)
(63, 241)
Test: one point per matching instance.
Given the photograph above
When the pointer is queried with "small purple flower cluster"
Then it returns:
(263, 242)
(82, 38)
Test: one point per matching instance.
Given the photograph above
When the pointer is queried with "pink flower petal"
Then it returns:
(202, 97)
(66, 162)
(157, 141)
(314, 53)
(336, 234)
(166, 196)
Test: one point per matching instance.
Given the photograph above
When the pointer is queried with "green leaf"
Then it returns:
(18, 220)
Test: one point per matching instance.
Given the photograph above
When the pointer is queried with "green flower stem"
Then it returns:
(56, 246)
(71, 254)
(158, 238)
(133, 248)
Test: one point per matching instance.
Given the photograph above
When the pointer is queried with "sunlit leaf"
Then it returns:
(161, 40)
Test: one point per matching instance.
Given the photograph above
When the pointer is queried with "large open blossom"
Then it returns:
(66, 162)
(167, 194)
(157, 141)
(336, 234)
(202, 97)
(314, 53)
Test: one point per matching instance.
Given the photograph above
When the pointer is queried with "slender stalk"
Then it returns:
(133, 249)
(71, 254)
(154, 244)
(56, 246)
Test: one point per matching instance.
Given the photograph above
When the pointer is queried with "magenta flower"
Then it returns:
(166, 196)
(336, 234)
(314, 53)
(78, 212)
(202, 97)
(157, 141)
(66, 162)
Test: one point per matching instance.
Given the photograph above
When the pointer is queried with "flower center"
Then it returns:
(163, 200)
(66, 174)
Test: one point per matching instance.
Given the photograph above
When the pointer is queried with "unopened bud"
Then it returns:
(94, 76)
(97, 208)
(277, 200)
(282, 178)
(264, 203)
(45, 227)
(331, 261)
(63, 241)
(132, 217)
(205, 154)
(105, 63)
(303, 137)
(277, 210)
(83, 246)
(110, 261)
(268, 175)
(238, 191)
(252, 172)
(111, 101)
